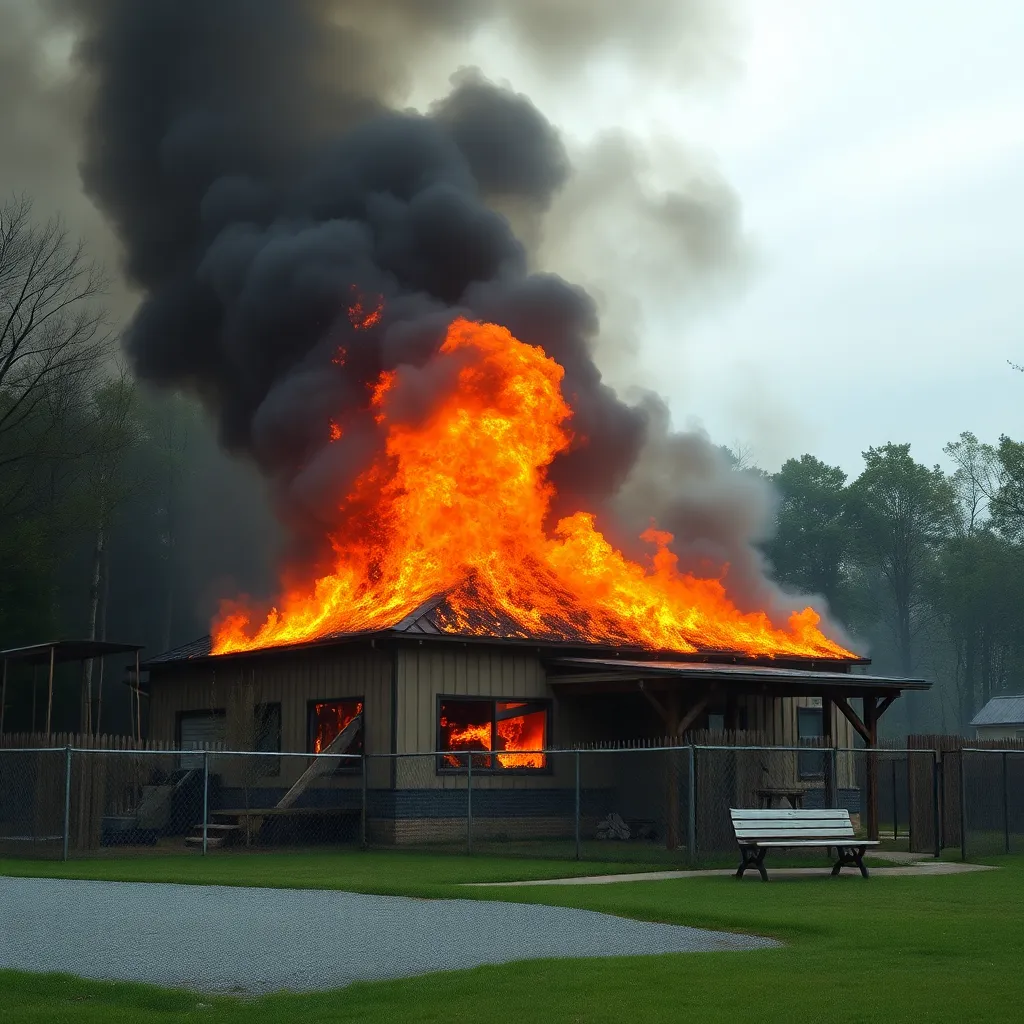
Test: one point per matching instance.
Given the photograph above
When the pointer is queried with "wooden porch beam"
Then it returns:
(852, 717)
(654, 702)
(691, 716)
(884, 704)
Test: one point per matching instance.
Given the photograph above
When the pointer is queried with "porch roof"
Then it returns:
(610, 674)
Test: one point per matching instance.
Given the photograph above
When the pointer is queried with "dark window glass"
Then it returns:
(267, 737)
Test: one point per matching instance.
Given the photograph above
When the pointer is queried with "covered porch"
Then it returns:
(680, 693)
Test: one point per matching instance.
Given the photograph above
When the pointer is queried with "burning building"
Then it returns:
(425, 687)
(456, 624)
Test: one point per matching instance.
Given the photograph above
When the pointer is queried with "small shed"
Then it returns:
(1002, 718)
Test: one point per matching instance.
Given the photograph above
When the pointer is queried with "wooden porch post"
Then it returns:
(49, 697)
(871, 787)
(3, 698)
(138, 700)
(828, 735)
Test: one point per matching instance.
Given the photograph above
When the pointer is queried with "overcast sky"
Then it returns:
(877, 150)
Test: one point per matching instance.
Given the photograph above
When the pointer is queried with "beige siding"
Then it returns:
(426, 673)
(293, 680)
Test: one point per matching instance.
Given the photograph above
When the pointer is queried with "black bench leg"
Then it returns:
(760, 865)
(858, 856)
(752, 858)
(745, 860)
(850, 857)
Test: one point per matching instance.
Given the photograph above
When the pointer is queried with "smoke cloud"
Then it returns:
(262, 175)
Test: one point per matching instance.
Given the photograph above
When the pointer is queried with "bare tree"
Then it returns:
(53, 337)
(975, 482)
(113, 431)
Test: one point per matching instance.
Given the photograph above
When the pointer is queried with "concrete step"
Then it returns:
(212, 842)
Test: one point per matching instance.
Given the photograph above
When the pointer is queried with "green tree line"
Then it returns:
(923, 566)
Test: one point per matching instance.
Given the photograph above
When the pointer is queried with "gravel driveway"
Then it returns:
(218, 939)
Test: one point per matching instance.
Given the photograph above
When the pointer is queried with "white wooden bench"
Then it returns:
(758, 831)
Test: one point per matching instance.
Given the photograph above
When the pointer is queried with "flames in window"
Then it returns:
(331, 718)
(472, 725)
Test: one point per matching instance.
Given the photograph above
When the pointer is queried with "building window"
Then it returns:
(328, 719)
(267, 738)
(810, 764)
(200, 730)
(512, 732)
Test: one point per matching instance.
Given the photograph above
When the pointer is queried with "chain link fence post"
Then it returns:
(577, 809)
(963, 810)
(206, 798)
(691, 804)
(67, 802)
(1006, 804)
(469, 803)
(362, 813)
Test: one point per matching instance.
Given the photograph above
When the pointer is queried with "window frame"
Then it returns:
(545, 704)
(347, 766)
(180, 716)
(813, 755)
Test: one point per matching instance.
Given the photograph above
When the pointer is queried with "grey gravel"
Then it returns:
(224, 939)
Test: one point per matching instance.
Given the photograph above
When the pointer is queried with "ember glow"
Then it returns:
(362, 315)
(456, 505)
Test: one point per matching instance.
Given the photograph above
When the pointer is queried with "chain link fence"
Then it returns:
(663, 805)
(32, 792)
(991, 802)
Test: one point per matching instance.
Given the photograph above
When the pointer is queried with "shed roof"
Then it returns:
(1008, 710)
(66, 650)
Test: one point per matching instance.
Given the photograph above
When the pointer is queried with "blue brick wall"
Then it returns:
(235, 797)
(425, 803)
(487, 803)
(848, 799)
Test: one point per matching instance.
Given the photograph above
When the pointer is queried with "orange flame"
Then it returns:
(525, 732)
(331, 719)
(456, 505)
(336, 431)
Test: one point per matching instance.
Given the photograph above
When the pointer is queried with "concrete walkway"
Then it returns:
(934, 867)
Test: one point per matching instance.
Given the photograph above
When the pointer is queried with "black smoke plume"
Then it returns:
(260, 184)
(261, 174)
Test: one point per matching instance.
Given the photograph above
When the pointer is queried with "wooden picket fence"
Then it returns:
(102, 784)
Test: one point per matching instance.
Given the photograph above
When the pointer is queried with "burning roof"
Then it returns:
(459, 615)
(457, 503)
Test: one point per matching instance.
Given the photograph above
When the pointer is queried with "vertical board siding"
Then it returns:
(426, 673)
(292, 680)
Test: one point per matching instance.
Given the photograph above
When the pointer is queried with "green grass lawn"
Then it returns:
(889, 949)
